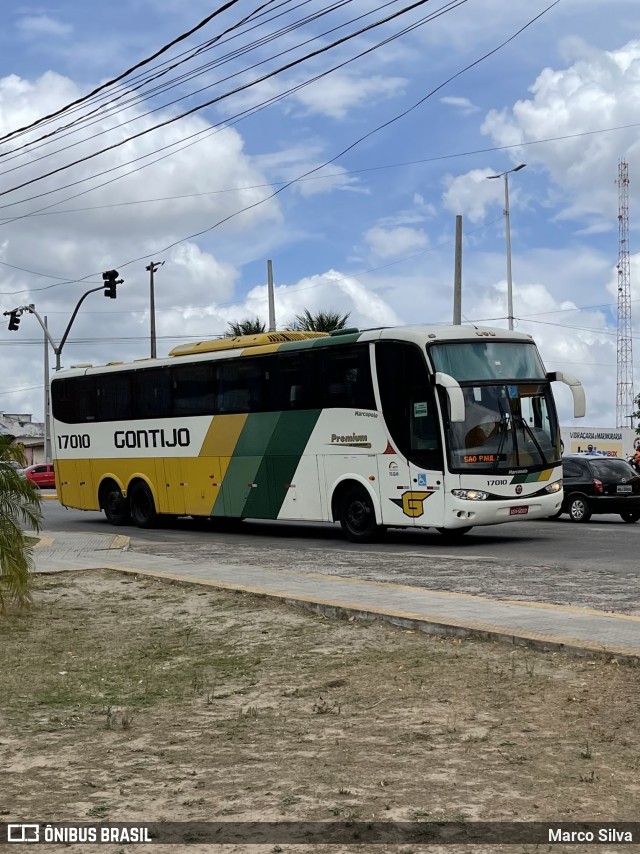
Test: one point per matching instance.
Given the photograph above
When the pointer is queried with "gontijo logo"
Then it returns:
(412, 502)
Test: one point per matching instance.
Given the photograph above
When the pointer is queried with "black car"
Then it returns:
(595, 484)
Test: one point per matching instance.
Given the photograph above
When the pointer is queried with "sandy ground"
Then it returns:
(130, 699)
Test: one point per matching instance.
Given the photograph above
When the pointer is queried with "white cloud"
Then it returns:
(387, 242)
(290, 163)
(464, 105)
(76, 244)
(470, 194)
(42, 25)
(338, 94)
(332, 291)
(600, 90)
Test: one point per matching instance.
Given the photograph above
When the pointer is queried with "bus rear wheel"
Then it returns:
(143, 508)
(358, 516)
(115, 506)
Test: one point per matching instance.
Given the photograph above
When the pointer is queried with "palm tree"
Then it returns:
(323, 321)
(19, 509)
(249, 326)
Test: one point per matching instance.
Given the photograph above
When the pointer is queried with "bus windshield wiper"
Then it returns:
(520, 422)
(503, 430)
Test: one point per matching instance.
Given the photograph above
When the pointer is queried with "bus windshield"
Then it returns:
(488, 360)
(505, 426)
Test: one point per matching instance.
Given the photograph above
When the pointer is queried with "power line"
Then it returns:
(83, 122)
(124, 74)
(154, 74)
(250, 299)
(435, 158)
(357, 142)
(171, 120)
(337, 156)
(238, 117)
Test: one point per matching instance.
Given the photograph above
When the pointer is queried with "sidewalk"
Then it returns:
(549, 627)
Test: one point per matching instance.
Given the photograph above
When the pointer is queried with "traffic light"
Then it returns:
(14, 320)
(110, 279)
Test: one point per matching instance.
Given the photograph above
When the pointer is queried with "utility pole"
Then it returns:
(153, 266)
(457, 275)
(507, 225)
(272, 305)
(47, 399)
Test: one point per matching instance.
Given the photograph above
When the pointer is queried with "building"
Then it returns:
(28, 433)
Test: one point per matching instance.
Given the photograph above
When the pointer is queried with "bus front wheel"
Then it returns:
(358, 516)
(142, 505)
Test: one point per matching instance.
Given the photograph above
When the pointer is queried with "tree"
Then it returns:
(323, 321)
(19, 509)
(248, 326)
(636, 414)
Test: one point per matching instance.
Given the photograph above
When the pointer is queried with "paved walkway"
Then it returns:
(542, 625)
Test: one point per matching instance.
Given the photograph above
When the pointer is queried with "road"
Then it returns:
(593, 565)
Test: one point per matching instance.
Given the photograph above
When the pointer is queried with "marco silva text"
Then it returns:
(601, 834)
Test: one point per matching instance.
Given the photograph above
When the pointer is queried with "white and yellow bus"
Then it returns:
(433, 426)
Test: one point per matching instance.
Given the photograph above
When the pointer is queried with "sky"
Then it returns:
(391, 133)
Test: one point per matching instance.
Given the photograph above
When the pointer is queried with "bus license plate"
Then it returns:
(518, 511)
(626, 488)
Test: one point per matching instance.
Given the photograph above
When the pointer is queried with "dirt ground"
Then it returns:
(129, 699)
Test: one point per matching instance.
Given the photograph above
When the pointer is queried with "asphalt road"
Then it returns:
(604, 543)
(592, 565)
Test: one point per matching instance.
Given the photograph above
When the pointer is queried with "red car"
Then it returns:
(42, 475)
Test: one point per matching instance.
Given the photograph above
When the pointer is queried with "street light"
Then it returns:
(505, 175)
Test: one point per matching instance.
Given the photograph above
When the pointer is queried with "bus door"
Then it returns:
(410, 472)
(426, 501)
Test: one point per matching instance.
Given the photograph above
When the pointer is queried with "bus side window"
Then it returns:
(193, 389)
(151, 394)
(294, 383)
(243, 386)
(346, 377)
(113, 397)
(73, 400)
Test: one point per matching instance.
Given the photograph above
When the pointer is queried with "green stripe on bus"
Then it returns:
(263, 464)
(241, 474)
(278, 466)
(312, 343)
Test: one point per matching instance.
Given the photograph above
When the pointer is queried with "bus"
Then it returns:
(445, 427)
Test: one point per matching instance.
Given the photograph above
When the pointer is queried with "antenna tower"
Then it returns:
(624, 392)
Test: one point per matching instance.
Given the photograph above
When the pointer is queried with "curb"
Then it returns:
(48, 497)
(429, 624)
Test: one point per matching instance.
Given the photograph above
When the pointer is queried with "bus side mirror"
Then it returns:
(579, 402)
(454, 394)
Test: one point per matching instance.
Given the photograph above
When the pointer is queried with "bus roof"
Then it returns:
(286, 340)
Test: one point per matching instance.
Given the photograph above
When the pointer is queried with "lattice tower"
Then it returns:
(624, 393)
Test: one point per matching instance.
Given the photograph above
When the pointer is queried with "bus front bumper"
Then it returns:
(462, 513)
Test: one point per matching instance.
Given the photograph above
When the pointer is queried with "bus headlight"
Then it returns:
(470, 494)
(556, 486)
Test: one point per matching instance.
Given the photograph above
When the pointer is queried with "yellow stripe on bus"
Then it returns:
(222, 435)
